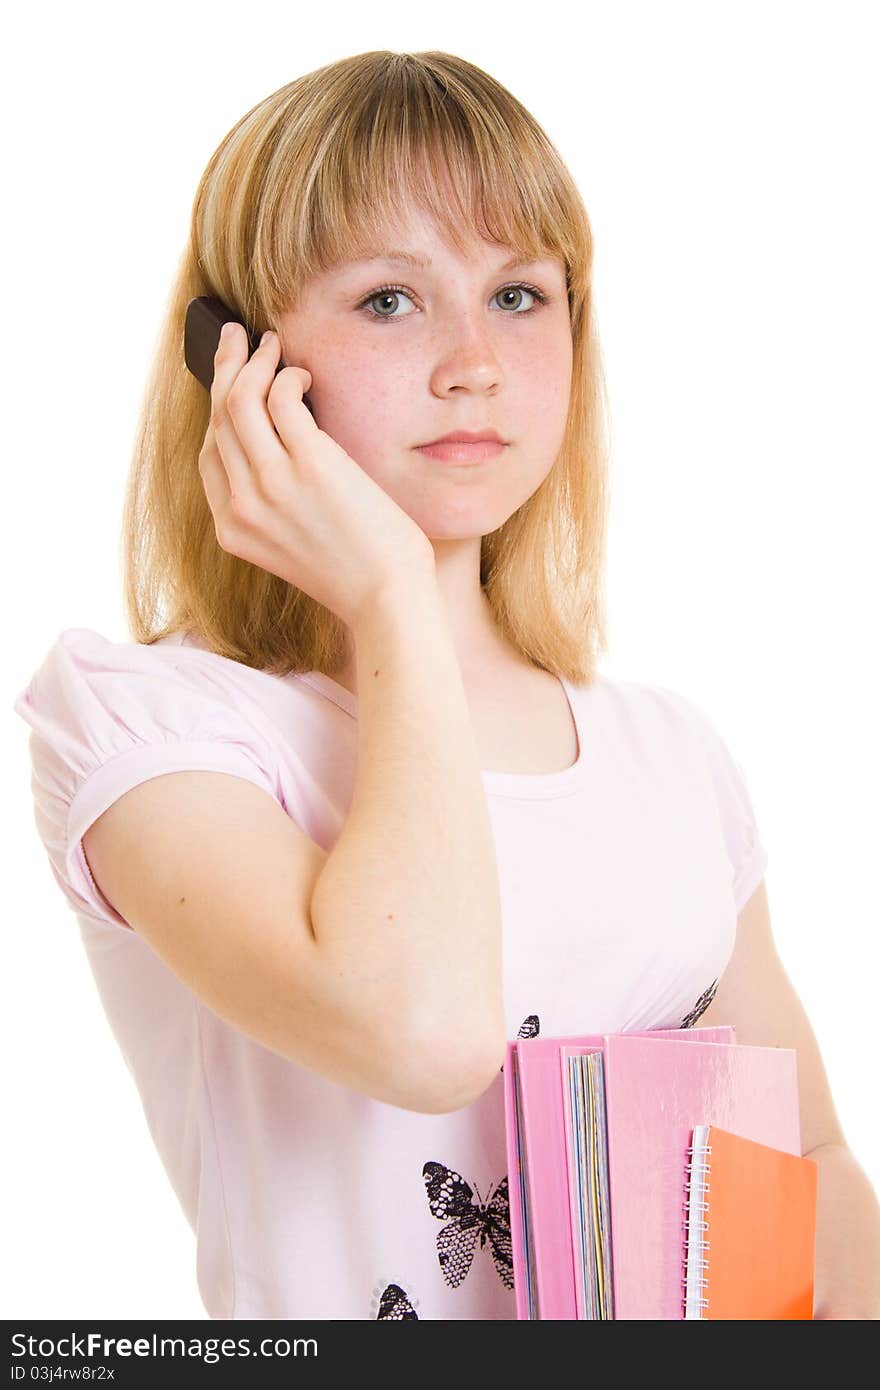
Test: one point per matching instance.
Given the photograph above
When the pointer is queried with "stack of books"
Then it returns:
(658, 1175)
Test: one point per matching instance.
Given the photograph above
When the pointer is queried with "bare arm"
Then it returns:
(407, 907)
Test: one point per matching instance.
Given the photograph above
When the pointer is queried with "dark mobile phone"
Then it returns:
(205, 318)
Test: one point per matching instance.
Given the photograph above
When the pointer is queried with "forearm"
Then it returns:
(847, 1280)
(407, 907)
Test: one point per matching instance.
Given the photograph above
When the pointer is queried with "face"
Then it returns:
(457, 344)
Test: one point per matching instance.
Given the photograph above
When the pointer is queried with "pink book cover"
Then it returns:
(544, 1135)
(656, 1091)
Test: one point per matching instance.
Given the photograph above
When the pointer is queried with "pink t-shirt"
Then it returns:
(621, 879)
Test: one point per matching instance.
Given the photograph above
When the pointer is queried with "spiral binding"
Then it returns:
(694, 1260)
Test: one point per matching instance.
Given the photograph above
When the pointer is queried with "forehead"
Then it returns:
(416, 238)
(423, 260)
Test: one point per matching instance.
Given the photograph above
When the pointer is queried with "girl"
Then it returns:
(355, 806)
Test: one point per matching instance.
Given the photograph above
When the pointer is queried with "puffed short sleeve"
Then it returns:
(745, 848)
(106, 716)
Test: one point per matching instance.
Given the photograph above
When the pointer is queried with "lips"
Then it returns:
(463, 451)
(465, 437)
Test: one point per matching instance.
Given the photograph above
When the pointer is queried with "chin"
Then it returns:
(461, 513)
(460, 528)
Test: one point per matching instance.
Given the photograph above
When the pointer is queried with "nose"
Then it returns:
(467, 359)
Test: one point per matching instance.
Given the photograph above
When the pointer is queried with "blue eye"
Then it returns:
(384, 292)
(395, 291)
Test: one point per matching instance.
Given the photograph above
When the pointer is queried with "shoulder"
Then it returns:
(664, 725)
(649, 710)
(92, 701)
(172, 675)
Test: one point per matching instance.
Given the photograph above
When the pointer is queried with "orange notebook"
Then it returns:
(750, 1229)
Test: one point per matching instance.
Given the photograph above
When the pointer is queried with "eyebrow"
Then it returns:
(395, 257)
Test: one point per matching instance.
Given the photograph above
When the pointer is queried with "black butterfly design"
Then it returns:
(529, 1028)
(700, 1007)
(451, 1199)
(394, 1304)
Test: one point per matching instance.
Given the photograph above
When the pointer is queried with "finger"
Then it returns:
(215, 479)
(231, 364)
(291, 417)
(226, 471)
(255, 437)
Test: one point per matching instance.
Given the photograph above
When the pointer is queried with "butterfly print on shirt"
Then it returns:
(701, 1006)
(529, 1028)
(451, 1199)
(395, 1305)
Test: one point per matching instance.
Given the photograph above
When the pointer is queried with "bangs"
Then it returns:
(476, 166)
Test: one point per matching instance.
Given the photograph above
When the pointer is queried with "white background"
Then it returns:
(727, 157)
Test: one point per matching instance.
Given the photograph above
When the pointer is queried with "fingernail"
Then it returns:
(225, 331)
(266, 336)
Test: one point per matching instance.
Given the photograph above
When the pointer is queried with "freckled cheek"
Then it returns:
(365, 403)
(546, 366)
(364, 387)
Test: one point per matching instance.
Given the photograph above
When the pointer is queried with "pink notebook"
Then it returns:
(658, 1086)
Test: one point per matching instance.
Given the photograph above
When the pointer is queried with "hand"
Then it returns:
(286, 497)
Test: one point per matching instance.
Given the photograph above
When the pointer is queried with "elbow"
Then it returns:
(450, 1073)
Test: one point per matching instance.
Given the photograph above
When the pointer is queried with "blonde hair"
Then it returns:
(307, 176)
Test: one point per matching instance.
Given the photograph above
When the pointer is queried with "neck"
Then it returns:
(479, 643)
